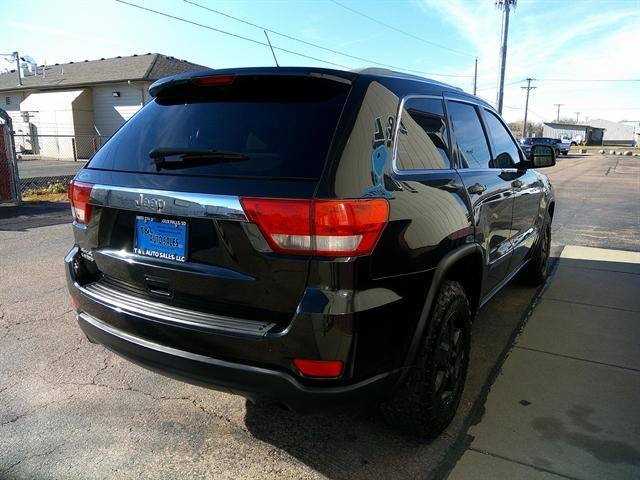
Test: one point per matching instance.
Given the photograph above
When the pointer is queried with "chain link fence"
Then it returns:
(58, 147)
(47, 160)
(9, 184)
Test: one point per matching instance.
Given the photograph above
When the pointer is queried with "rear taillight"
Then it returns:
(319, 227)
(79, 194)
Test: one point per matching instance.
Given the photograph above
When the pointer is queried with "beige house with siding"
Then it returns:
(66, 110)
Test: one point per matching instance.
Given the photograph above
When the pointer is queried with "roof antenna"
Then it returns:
(271, 47)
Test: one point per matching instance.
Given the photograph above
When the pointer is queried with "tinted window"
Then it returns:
(284, 125)
(472, 144)
(506, 152)
(422, 139)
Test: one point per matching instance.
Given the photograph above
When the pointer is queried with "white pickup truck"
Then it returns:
(565, 142)
(572, 141)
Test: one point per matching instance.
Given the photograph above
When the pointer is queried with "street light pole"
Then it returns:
(528, 88)
(577, 115)
(506, 6)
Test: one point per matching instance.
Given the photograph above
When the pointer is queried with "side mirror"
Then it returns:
(542, 156)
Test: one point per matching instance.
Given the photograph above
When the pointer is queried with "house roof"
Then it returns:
(571, 125)
(148, 67)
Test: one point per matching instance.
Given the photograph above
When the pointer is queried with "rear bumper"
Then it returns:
(249, 363)
(246, 380)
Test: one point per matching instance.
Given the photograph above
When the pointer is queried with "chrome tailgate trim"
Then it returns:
(175, 316)
(183, 204)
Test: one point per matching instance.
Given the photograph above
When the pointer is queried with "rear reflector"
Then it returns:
(75, 304)
(319, 227)
(79, 194)
(318, 368)
(214, 80)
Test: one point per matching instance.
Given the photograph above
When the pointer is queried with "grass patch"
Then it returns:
(606, 148)
(55, 192)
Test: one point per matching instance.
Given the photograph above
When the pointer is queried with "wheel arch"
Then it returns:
(455, 265)
(551, 208)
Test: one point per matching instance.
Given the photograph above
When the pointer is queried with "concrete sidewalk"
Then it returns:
(567, 401)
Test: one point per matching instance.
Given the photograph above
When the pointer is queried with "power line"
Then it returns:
(403, 32)
(235, 35)
(486, 87)
(588, 79)
(506, 85)
(315, 45)
(521, 108)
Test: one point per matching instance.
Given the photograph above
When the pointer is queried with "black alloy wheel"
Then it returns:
(449, 358)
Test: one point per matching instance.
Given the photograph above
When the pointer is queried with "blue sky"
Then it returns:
(549, 39)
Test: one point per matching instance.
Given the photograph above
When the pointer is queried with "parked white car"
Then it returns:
(572, 141)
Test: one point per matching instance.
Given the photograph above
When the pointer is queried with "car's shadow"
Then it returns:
(344, 445)
(41, 214)
(360, 445)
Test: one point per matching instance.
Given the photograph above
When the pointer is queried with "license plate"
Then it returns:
(161, 238)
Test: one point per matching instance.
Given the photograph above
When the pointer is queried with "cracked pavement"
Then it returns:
(71, 409)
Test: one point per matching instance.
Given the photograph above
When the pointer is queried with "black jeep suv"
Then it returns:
(316, 236)
(528, 142)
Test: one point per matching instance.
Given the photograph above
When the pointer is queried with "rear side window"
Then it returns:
(469, 135)
(422, 138)
(281, 126)
(505, 150)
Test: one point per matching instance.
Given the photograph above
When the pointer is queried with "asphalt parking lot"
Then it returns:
(70, 409)
(48, 168)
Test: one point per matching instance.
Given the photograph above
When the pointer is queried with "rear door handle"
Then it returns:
(476, 189)
(516, 184)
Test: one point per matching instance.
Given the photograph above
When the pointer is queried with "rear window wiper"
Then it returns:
(159, 155)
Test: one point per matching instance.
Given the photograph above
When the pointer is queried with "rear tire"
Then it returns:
(537, 270)
(427, 402)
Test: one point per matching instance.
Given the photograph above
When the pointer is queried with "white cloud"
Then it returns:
(575, 43)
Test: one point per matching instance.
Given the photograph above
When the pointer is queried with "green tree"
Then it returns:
(534, 129)
(567, 120)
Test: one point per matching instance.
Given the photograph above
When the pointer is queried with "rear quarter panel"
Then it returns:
(429, 216)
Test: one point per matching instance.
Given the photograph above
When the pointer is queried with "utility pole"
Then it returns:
(475, 77)
(528, 88)
(577, 115)
(558, 105)
(16, 55)
(504, 5)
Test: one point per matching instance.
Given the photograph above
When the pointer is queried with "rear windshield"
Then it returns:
(282, 126)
